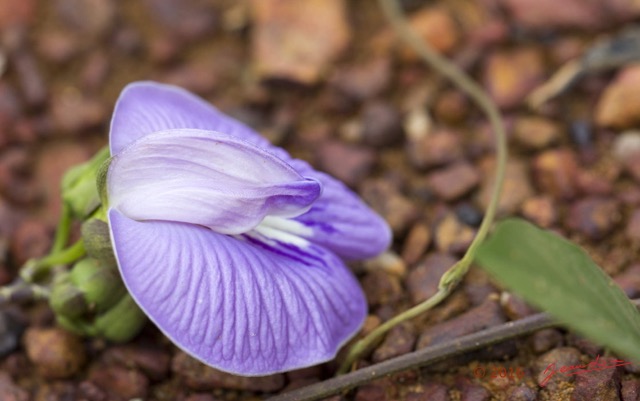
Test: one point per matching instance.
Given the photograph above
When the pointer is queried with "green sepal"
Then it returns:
(66, 299)
(97, 241)
(79, 185)
(122, 322)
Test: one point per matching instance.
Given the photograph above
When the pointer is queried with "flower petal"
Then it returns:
(205, 178)
(146, 107)
(341, 221)
(237, 304)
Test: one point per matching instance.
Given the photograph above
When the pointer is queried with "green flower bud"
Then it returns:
(97, 241)
(66, 299)
(79, 189)
(99, 283)
(122, 322)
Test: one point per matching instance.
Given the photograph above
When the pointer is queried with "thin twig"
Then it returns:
(423, 357)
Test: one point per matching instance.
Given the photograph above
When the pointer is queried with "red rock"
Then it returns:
(555, 172)
(16, 13)
(154, 362)
(630, 390)
(350, 164)
(510, 75)
(600, 385)
(295, 40)
(55, 353)
(454, 181)
(57, 46)
(619, 104)
(372, 392)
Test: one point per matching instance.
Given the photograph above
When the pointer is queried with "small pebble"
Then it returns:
(515, 307)
(56, 353)
(451, 107)
(594, 217)
(555, 173)
(11, 391)
(521, 393)
(381, 288)
(416, 243)
(399, 341)
(454, 181)
(540, 210)
(629, 281)
(381, 124)
(348, 163)
(121, 382)
(535, 132)
(197, 376)
(363, 80)
(544, 340)
(598, 385)
(430, 391)
(452, 236)
(435, 149)
(618, 105)
(469, 215)
(397, 210)
(516, 187)
(422, 281)
(488, 314)
(388, 262)
(563, 356)
(630, 390)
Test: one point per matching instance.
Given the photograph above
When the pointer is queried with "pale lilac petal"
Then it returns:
(205, 178)
(146, 107)
(236, 304)
(341, 221)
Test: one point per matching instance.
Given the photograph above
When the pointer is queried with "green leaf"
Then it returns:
(559, 277)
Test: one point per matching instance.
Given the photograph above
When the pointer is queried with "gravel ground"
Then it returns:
(329, 81)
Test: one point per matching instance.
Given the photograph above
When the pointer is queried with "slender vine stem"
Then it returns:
(34, 268)
(456, 273)
(62, 231)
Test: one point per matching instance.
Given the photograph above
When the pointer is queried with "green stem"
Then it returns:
(63, 229)
(456, 273)
(34, 268)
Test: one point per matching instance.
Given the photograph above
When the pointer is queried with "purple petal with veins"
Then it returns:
(232, 247)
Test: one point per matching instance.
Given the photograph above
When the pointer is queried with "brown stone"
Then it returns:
(348, 163)
(56, 353)
(541, 210)
(488, 314)
(451, 107)
(515, 307)
(121, 382)
(555, 359)
(397, 210)
(296, 40)
(510, 75)
(536, 132)
(521, 393)
(422, 281)
(555, 173)
(381, 124)
(430, 391)
(544, 340)
(599, 385)
(630, 390)
(398, 341)
(197, 376)
(31, 239)
(452, 236)
(618, 107)
(363, 80)
(435, 26)
(416, 243)
(515, 190)
(381, 288)
(594, 217)
(455, 181)
(633, 228)
(154, 362)
(434, 149)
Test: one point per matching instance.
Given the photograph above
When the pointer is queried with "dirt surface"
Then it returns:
(328, 81)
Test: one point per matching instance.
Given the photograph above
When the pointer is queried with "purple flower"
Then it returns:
(232, 248)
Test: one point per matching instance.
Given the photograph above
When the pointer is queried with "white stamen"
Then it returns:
(284, 230)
